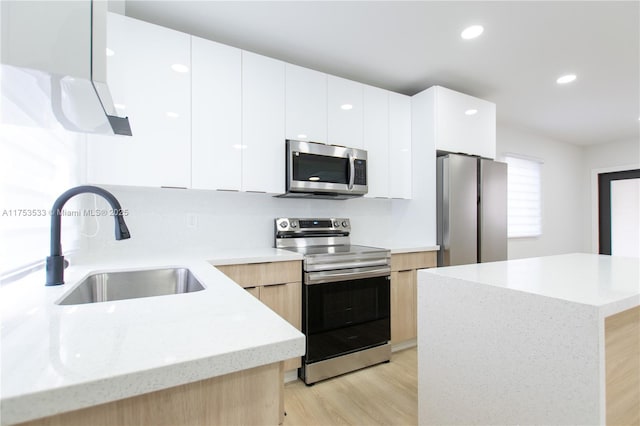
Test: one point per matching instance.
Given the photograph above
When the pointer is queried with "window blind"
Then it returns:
(524, 198)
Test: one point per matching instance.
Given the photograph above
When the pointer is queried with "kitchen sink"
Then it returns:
(109, 286)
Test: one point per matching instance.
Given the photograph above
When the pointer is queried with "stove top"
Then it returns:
(325, 245)
(343, 249)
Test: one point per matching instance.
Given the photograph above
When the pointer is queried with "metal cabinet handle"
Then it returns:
(274, 285)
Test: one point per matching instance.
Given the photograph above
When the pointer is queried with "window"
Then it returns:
(523, 197)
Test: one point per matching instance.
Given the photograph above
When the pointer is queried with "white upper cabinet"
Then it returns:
(345, 112)
(400, 146)
(306, 104)
(263, 116)
(216, 122)
(150, 79)
(464, 123)
(376, 140)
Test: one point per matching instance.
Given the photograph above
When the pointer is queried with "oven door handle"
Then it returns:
(311, 267)
(311, 278)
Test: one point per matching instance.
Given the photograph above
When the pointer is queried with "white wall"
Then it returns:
(39, 160)
(562, 193)
(170, 218)
(603, 158)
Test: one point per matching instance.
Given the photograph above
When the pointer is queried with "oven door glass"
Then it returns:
(320, 168)
(346, 316)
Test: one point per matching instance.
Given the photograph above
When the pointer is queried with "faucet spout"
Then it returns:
(55, 262)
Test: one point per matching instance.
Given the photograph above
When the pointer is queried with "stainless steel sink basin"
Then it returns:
(108, 286)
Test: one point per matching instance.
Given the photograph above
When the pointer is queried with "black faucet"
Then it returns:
(56, 263)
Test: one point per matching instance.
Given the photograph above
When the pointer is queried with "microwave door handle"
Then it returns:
(352, 171)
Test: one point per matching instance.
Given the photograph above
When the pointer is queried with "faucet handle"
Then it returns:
(55, 270)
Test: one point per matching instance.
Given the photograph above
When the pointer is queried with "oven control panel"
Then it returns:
(315, 225)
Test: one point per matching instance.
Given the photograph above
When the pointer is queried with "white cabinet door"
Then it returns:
(150, 81)
(376, 140)
(263, 140)
(344, 112)
(306, 104)
(400, 145)
(216, 122)
(465, 124)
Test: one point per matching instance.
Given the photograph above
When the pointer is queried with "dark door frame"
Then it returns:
(604, 205)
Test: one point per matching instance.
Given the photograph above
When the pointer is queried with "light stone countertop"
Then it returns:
(519, 341)
(612, 284)
(60, 358)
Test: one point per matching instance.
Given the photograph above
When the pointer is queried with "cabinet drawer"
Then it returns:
(416, 260)
(259, 274)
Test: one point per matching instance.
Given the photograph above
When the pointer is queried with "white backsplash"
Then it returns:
(170, 218)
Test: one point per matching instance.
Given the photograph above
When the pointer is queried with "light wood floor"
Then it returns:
(385, 394)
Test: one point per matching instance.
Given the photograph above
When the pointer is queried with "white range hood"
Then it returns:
(53, 59)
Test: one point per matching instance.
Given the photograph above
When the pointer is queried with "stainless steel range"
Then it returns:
(345, 296)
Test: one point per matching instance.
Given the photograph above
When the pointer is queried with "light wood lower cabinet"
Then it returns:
(622, 366)
(403, 306)
(248, 397)
(404, 294)
(276, 284)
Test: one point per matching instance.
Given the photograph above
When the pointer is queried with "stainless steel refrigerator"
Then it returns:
(471, 210)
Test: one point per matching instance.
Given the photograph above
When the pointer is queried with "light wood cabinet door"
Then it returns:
(404, 292)
(277, 285)
(403, 306)
(286, 301)
(259, 274)
(254, 291)
(414, 260)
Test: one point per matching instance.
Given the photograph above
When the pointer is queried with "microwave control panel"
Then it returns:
(360, 167)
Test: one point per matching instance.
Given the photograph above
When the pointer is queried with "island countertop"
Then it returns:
(60, 358)
(610, 283)
(549, 340)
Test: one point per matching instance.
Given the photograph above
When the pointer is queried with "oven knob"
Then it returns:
(294, 225)
(283, 224)
(345, 223)
(336, 224)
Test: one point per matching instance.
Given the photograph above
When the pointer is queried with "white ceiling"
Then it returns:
(409, 46)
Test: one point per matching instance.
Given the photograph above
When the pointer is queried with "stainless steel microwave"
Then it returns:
(316, 170)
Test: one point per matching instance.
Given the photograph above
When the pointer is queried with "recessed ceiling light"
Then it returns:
(346, 107)
(239, 146)
(472, 32)
(180, 68)
(110, 52)
(171, 114)
(471, 112)
(566, 79)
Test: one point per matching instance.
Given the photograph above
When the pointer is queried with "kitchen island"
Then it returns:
(550, 340)
(207, 357)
